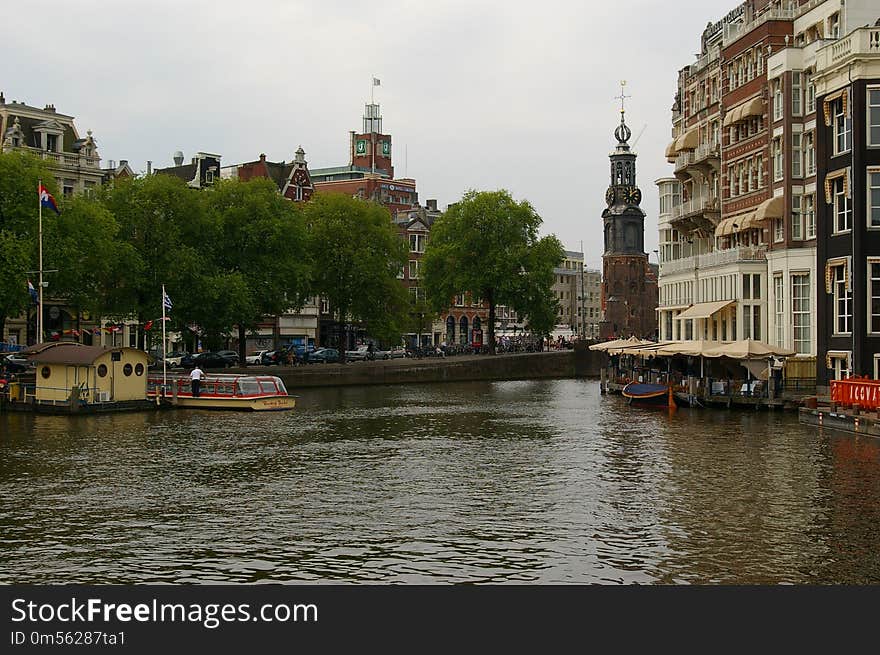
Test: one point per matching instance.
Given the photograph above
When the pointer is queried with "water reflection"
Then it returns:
(543, 481)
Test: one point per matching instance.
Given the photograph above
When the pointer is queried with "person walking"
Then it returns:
(196, 377)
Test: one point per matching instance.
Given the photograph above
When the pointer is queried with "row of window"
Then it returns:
(841, 287)
(746, 67)
(800, 311)
(746, 175)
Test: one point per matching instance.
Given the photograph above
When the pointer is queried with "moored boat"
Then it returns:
(648, 394)
(236, 392)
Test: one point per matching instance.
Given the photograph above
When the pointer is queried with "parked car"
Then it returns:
(397, 353)
(205, 360)
(255, 358)
(359, 354)
(172, 359)
(16, 363)
(323, 356)
(231, 355)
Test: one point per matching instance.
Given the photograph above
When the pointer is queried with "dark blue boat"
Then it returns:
(648, 394)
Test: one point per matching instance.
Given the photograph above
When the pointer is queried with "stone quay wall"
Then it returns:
(519, 366)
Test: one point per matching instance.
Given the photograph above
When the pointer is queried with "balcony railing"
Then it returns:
(706, 151)
(65, 158)
(693, 206)
(684, 160)
(863, 41)
(716, 258)
(706, 58)
(735, 30)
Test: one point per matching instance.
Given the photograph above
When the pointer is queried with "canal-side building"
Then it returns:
(715, 211)
(629, 287)
(847, 88)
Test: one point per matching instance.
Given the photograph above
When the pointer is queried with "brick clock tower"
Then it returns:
(371, 150)
(629, 286)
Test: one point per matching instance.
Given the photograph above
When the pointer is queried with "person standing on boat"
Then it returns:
(196, 377)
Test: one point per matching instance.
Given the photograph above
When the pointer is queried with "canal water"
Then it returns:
(495, 482)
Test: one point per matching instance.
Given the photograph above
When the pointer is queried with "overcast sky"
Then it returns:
(475, 93)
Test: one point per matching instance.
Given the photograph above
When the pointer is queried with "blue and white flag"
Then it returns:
(166, 301)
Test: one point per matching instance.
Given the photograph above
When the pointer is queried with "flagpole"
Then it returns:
(40, 271)
(164, 370)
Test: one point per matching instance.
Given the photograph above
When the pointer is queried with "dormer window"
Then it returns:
(52, 142)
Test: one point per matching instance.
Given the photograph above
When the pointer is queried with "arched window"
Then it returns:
(477, 323)
(463, 329)
(450, 329)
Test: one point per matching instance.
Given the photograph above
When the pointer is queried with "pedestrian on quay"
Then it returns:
(195, 377)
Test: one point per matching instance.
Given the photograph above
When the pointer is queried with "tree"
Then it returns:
(163, 222)
(19, 175)
(261, 239)
(487, 244)
(82, 246)
(358, 256)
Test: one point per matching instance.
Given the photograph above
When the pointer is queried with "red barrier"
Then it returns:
(856, 391)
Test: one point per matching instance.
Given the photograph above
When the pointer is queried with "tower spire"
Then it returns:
(622, 133)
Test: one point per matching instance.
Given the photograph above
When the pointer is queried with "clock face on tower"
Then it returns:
(609, 196)
(632, 195)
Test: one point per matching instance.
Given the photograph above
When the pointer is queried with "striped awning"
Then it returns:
(749, 108)
(769, 209)
(704, 309)
(688, 141)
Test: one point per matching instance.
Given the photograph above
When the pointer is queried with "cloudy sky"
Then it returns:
(475, 93)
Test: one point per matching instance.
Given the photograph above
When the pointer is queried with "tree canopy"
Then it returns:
(360, 256)
(487, 244)
(259, 254)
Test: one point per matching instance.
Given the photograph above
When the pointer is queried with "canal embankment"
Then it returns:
(580, 363)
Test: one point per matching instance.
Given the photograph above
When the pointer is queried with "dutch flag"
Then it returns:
(46, 200)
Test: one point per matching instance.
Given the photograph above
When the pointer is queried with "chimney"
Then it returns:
(432, 204)
(2, 99)
(113, 164)
(178, 158)
(49, 108)
(262, 156)
(149, 167)
(123, 162)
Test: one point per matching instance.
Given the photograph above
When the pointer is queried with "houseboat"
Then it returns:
(223, 391)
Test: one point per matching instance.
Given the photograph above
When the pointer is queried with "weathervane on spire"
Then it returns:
(622, 133)
(622, 96)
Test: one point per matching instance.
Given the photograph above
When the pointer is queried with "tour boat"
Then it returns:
(649, 394)
(224, 391)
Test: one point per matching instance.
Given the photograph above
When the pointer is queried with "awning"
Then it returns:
(732, 116)
(688, 141)
(725, 227)
(748, 222)
(772, 208)
(754, 107)
(670, 149)
(704, 309)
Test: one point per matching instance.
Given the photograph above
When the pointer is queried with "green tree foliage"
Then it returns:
(487, 244)
(359, 256)
(261, 245)
(19, 177)
(164, 223)
(82, 246)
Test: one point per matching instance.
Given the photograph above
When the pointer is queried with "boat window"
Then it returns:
(127, 370)
(268, 386)
(139, 369)
(225, 388)
(280, 385)
(248, 387)
(102, 370)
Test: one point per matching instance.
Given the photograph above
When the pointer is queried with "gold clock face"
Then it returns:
(609, 196)
(633, 195)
